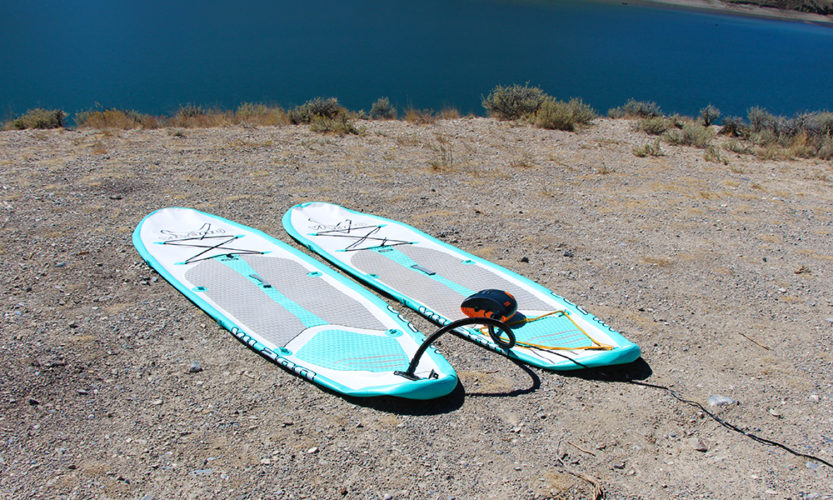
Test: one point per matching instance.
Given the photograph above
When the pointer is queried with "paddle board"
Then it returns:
(435, 278)
(290, 308)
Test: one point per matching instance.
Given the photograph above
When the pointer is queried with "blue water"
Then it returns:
(154, 56)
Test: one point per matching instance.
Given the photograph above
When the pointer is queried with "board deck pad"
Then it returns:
(289, 307)
(434, 278)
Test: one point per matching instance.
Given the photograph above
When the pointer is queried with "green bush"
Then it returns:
(648, 150)
(39, 118)
(513, 102)
(636, 109)
(733, 126)
(317, 108)
(656, 125)
(761, 119)
(341, 124)
(560, 115)
(692, 134)
(709, 115)
(382, 110)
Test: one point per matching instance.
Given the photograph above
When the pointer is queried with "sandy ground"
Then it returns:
(722, 272)
(746, 10)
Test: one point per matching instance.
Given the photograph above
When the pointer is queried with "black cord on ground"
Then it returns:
(732, 426)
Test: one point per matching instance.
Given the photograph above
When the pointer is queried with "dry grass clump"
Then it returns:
(260, 114)
(38, 118)
(190, 116)
(420, 116)
(648, 149)
(117, 119)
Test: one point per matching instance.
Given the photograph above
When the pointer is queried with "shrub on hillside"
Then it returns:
(39, 118)
(709, 115)
(260, 114)
(341, 124)
(316, 108)
(733, 126)
(560, 115)
(636, 109)
(656, 125)
(116, 119)
(692, 134)
(192, 116)
(513, 102)
(382, 110)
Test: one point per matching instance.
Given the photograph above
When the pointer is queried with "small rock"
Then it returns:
(619, 465)
(525, 260)
(33, 402)
(568, 253)
(721, 401)
(83, 392)
(202, 472)
(61, 264)
(156, 402)
(697, 444)
(195, 367)
(312, 450)
(814, 398)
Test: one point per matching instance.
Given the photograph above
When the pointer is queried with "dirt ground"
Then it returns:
(721, 271)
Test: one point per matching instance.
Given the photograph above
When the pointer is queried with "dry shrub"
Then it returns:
(260, 114)
(190, 116)
(117, 119)
(38, 118)
(420, 117)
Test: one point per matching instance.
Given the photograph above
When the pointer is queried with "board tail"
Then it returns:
(444, 284)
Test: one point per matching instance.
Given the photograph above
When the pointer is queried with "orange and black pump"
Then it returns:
(494, 304)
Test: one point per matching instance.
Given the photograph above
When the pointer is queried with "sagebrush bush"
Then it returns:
(116, 119)
(648, 150)
(636, 109)
(709, 115)
(560, 115)
(733, 126)
(657, 125)
(692, 134)
(340, 124)
(382, 110)
(316, 108)
(39, 118)
(761, 119)
(513, 102)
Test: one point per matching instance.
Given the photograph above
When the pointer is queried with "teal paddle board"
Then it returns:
(435, 278)
(291, 308)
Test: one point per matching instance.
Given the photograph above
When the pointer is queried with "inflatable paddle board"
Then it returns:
(435, 278)
(289, 307)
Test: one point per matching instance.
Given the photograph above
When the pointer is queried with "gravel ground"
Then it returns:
(115, 385)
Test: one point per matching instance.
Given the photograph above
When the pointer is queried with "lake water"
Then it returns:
(154, 56)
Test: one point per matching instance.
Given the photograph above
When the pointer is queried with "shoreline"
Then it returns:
(744, 10)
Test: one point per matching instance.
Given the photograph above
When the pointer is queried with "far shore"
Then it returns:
(745, 10)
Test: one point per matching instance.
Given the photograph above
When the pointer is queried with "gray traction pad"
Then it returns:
(425, 290)
(264, 317)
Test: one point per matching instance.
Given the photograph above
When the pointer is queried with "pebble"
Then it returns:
(721, 401)
(697, 444)
(195, 367)
(312, 450)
